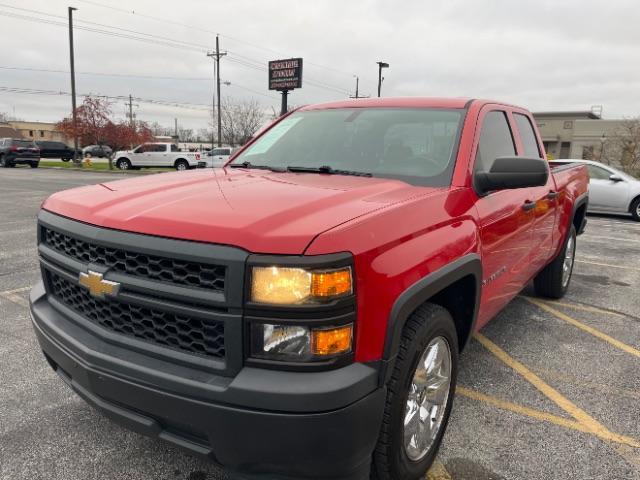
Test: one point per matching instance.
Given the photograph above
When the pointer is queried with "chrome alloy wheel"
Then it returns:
(567, 265)
(427, 399)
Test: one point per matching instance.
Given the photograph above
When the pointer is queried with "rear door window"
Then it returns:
(496, 140)
(24, 143)
(527, 135)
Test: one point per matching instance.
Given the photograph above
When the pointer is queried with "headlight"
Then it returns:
(291, 286)
(299, 343)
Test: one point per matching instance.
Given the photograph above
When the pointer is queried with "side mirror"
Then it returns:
(513, 172)
(615, 178)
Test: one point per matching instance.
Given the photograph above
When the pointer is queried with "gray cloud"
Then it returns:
(539, 54)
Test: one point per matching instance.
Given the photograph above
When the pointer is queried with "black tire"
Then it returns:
(123, 164)
(65, 159)
(181, 165)
(635, 209)
(550, 281)
(34, 164)
(390, 458)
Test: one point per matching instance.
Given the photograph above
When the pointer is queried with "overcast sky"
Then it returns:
(544, 55)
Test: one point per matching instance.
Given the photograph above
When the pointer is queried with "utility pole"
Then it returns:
(217, 56)
(175, 131)
(73, 87)
(381, 65)
(130, 105)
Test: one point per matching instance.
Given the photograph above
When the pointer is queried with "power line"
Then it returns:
(235, 39)
(166, 103)
(153, 40)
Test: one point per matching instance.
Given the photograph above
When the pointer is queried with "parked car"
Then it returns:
(610, 190)
(300, 314)
(18, 151)
(157, 155)
(217, 157)
(51, 149)
(100, 151)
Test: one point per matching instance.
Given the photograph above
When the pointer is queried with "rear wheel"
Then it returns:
(635, 209)
(553, 281)
(181, 165)
(419, 396)
(123, 164)
(65, 159)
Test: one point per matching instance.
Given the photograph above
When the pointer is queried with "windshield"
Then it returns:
(414, 145)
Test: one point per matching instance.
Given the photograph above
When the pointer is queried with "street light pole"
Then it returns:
(73, 87)
(381, 65)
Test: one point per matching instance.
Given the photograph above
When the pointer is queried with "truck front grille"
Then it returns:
(154, 267)
(186, 333)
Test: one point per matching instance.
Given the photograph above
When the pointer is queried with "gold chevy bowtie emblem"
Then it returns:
(97, 286)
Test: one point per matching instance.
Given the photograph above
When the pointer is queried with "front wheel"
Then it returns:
(123, 164)
(65, 159)
(182, 165)
(34, 164)
(635, 209)
(419, 396)
(553, 280)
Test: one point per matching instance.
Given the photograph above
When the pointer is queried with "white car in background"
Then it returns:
(610, 190)
(156, 154)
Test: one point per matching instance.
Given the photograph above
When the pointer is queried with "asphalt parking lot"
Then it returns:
(548, 390)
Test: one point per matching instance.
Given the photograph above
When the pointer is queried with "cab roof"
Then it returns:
(401, 102)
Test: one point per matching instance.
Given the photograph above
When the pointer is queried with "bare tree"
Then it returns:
(622, 148)
(185, 134)
(240, 120)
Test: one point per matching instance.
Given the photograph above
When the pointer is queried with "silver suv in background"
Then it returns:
(610, 190)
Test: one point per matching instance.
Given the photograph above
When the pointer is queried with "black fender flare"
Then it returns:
(580, 201)
(420, 292)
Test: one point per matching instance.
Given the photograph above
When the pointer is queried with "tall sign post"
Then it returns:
(285, 75)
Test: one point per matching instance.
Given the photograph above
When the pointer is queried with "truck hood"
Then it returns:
(259, 211)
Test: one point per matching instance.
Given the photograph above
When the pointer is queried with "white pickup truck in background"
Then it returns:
(158, 154)
(218, 156)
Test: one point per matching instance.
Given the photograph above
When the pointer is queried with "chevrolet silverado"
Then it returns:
(300, 312)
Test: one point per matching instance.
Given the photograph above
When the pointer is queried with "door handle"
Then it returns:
(528, 205)
(552, 195)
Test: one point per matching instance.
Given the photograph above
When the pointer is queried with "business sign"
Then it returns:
(285, 74)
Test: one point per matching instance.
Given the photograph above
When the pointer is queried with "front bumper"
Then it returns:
(291, 424)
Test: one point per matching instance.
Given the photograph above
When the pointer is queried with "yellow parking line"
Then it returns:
(586, 328)
(591, 425)
(15, 290)
(438, 472)
(583, 308)
(607, 265)
(521, 409)
(15, 299)
(618, 239)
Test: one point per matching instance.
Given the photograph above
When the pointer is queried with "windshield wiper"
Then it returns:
(329, 170)
(259, 167)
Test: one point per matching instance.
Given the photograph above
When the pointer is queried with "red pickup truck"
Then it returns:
(300, 312)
